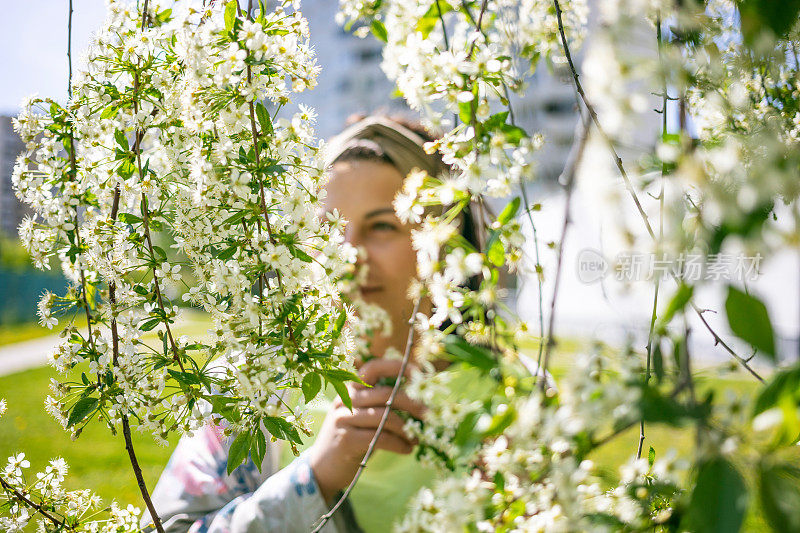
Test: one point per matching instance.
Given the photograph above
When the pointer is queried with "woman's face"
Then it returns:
(362, 192)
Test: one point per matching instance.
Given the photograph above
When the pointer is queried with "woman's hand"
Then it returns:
(345, 436)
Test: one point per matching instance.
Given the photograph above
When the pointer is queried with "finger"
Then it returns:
(377, 368)
(370, 417)
(386, 441)
(378, 396)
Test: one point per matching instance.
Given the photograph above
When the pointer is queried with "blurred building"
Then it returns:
(11, 210)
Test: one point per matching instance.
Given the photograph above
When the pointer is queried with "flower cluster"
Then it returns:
(532, 455)
(176, 168)
(22, 498)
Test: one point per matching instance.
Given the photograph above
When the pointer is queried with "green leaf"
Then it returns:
(340, 320)
(164, 16)
(263, 118)
(677, 303)
(465, 112)
(149, 324)
(261, 11)
(273, 427)
(784, 383)
(427, 23)
(185, 378)
(658, 361)
(465, 432)
(258, 449)
(341, 390)
(495, 121)
(749, 320)
(719, 498)
(651, 457)
(779, 492)
(470, 354)
(82, 408)
(122, 141)
(230, 14)
(311, 385)
(226, 407)
(779, 16)
(140, 290)
(126, 169)
(379, 30)
(496, 252)
(227, 253)
(500, 422)
(514, 134)
(301, 255)
(236, 217)
(129, 218)
(657, 407)
(286, 428)
(509, 212)
(109, 111)
(159, 251)
(238, 451)
(274, 169)
(196, 346)
(342, 375)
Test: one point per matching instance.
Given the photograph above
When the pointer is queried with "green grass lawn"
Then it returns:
(11, 333)
(98, 460)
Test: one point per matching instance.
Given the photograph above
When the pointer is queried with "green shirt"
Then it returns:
(385, 488)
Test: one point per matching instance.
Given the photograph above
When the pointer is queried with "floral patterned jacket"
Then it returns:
(195, 494)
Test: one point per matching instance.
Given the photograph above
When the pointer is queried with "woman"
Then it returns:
(369, 162)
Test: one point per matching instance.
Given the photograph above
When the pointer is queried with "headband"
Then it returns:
(400, 144)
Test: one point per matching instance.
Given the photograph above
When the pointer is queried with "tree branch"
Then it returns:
(569, 175)
(593, 114)
(69, 51)
(112, 287)
(718, 340)
(35, 506)
(387, 409)
(664, 98)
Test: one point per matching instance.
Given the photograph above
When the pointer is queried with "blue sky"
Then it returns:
(33, 46)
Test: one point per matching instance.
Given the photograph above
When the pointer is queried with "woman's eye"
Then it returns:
(383, 226)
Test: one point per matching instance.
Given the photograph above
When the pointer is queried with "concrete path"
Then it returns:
(27, 354)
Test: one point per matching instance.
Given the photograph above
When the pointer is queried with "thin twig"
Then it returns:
(387, 409)
(535, 239)
(624, 174)
(35, 506)
(664, 98)
(262, 195)
(444, 27)
(137, 470)
(137, 148)
(69, 51)
(593, 114)
(524, 196)
(718, 340)
(569, 174)
(112, 287)
(479, 27)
